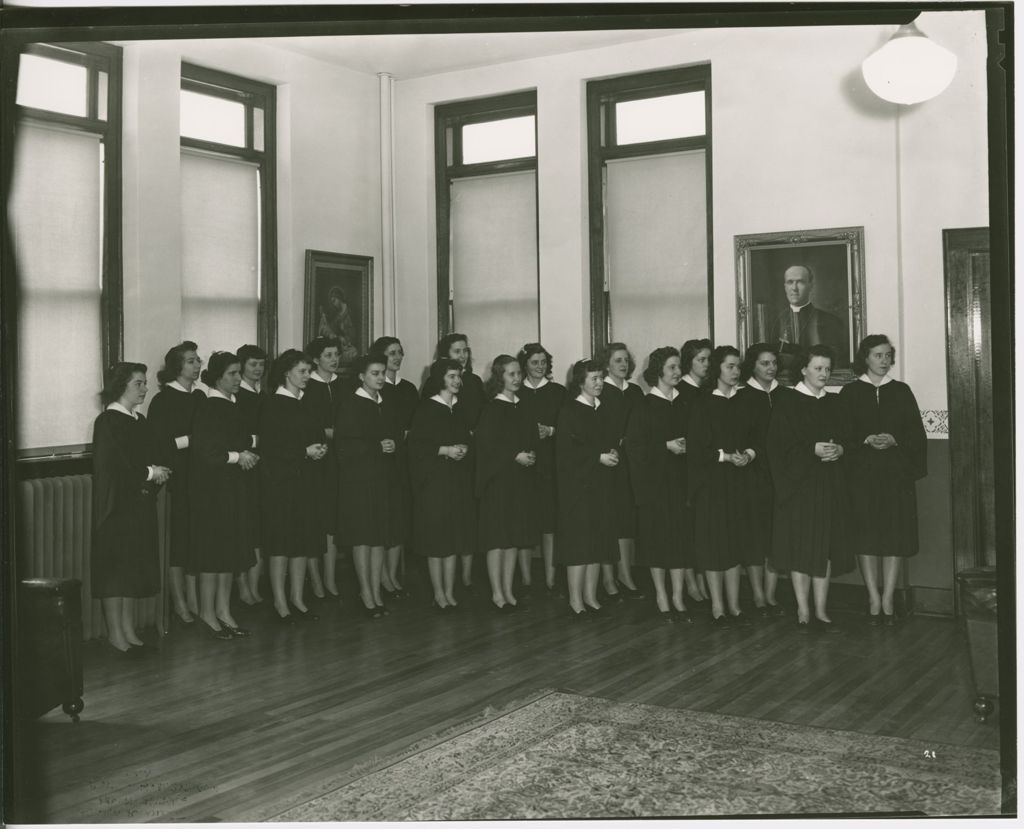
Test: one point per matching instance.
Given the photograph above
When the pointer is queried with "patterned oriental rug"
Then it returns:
(568, 756)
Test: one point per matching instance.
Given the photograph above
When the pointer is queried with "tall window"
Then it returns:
(649, 140)
(486, 166)
(229, 274)
(65, 213)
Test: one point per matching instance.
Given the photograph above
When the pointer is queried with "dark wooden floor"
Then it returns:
(242, 730)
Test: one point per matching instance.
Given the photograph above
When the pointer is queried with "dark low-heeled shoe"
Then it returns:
(741, 620)
(304, 615)
(723, 622)
(577, 614)
(237, 632)
(776, 610)
(177, 618)
(803, 627)
(683, 616)
(220, 635)
(888, 620)
(667, 616)
(874, 619)
(825, 627)
(629, 592)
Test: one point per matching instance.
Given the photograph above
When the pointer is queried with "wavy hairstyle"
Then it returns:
(860, 359)
(529, 350)
(606, 355)
(718, 356)
(446, 342)
(439, 368)
(690, 349)
(750, 358)
(318, 345)
(805, 355)
(285, 362)
(250, 352)
(580, 370)
(220, 362)
(656, 364)
(174, 361)
(118, 377)
(496, 382)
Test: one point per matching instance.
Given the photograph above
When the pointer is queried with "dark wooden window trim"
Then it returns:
(448, 122)
(601, 147)
(254, 95)
(96, 57)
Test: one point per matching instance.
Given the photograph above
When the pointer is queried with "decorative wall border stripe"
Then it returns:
(936, 423)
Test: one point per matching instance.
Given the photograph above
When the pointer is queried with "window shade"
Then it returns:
(494, 263)
(56, 219)
(657, 251)
(220, 252)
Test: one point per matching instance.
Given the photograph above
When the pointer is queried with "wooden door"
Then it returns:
(969, 373)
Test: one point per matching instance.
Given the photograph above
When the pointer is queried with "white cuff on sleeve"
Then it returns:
(181, 442)
(255, 441)
(152, 473)
(721, 456)
(233, 457)
(752, 453)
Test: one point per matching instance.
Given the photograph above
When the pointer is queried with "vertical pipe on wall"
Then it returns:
(899, 335)
(387, 200)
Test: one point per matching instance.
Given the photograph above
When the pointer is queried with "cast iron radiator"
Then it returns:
(55, 540)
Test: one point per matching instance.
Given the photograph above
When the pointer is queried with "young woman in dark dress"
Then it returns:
(366, 438)
(292, 444)
(250, 399)
(456, 347)
(763, 390)
(401, 397)
(586, 460)
(543, 399)
(619, 397)
(222, 460)
(694, 358)
(720, 445)
(170, 414)
(655, 440)
(125, 562)
(506, 483)
(441, 461)
(807, 440)
(323, 394)
(887, 455)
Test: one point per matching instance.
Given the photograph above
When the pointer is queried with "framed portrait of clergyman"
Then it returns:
(339, 301)
(801, 288)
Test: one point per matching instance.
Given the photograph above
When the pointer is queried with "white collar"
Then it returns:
(796, 309)
(396, 381)
(582, 398)
(543, 382)
(657, 392)
(887, 379)
(219, 393)
(688, 379)
(361, 392)
(443, 402)
(609, 379)
(501, 396)
(803, 388)
(753, 384)
(735, 389)
(117, 407)
(174, 384)
(250, 387)
(314, 375)
(284, 391)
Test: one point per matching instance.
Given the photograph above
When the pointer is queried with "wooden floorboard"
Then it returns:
(243, 730)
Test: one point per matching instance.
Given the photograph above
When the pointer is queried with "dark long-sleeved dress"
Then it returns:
(762, 506)
(171, 413)
(371, 507)
(507, 490)
(882, 481)
(288, 478)
(444, 508)
(222, 540)
(620, 404)
(251, 405)
(401, 399)
(810, 524)
(544, 406)
(586, 487)
(659, 481)
(125, 548)
(721, 493)
(323, 400)
(471, 398)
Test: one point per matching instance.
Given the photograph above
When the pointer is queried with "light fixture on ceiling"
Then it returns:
(909, 68)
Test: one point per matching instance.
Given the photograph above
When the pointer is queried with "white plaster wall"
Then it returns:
(328, 179)
(798, 142)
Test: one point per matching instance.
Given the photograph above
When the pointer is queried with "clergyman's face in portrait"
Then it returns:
(798, 283)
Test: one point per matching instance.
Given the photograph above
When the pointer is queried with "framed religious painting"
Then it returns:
(339, 302)
(800, 288)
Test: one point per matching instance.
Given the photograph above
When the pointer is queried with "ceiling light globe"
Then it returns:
(910, 68)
